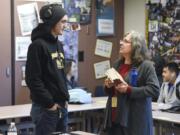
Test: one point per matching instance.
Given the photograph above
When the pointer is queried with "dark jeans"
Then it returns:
(117, 129)
(46, 121)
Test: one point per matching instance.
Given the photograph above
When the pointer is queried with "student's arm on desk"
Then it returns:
(160, 106)
(160, 98)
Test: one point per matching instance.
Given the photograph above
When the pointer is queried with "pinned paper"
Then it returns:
(103, 48)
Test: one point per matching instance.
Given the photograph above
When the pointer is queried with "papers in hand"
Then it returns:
(113, 75)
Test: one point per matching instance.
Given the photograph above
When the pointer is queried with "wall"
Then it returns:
(134, 15)
(21, 93)
(5, 51)
(87, 43)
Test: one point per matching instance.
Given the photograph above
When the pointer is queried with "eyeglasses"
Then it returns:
(63, 21)
(125, 41)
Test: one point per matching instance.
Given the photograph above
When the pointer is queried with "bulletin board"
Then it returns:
(163, 29)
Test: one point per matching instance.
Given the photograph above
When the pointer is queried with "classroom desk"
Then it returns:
(166, 122)
(16, 112)
(82, 133)
(164, 116)
(20, 111)
(97, 103)
(164, 119)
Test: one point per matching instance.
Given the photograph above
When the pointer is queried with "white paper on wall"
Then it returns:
(28, 17)
(100, 68)
(103, 48)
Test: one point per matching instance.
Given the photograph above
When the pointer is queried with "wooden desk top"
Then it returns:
(19, 111)
(82, 133)
(166, 116)
(97, 103)
(15, 111)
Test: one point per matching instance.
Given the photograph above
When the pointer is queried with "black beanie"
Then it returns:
(51, 14)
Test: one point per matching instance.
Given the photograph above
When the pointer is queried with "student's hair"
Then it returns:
(173, 67)
(139, 48)
(68, 64)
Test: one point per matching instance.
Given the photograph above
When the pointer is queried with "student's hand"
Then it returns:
(108, 83)
(121, 87)
(54, 107)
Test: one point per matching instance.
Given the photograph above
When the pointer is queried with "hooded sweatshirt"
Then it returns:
(45, 75)
(168, 93)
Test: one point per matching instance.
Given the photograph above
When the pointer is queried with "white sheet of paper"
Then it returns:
(49, 1)
(155, 1)
(103, 48)
(100, 68)
(22, 44)
(153, 26)
(28, 17)
(106, 26)
(163, 2)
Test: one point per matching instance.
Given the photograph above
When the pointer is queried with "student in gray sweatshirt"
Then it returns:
(170, 87)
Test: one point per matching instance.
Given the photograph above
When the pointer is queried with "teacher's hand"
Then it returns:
(108, 83)
(121, 87)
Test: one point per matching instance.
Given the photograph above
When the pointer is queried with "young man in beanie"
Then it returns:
(45, 75)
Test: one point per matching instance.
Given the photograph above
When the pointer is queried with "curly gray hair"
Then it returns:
(139, 48)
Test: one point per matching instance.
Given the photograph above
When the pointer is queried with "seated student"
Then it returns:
(71, 71)
(170, 87)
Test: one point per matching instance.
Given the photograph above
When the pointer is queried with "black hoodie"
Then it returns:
(45, 75)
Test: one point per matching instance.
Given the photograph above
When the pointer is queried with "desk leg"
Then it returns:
(8, 121)
(158, 128)
(84, 121)
(89, 124)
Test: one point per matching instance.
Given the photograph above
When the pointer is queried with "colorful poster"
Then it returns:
(163, 29)
(70, 41)
(78, 10)
(105, 17)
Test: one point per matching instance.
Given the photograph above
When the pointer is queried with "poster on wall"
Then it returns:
(163, 31)
(153, 26)
(23, 82)
(79, 11)
(103, 48)
(177, 14)
(22, 44)
(100, 68)
(105, 17)
(70, 41)
(28, 17)
(49, 1)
